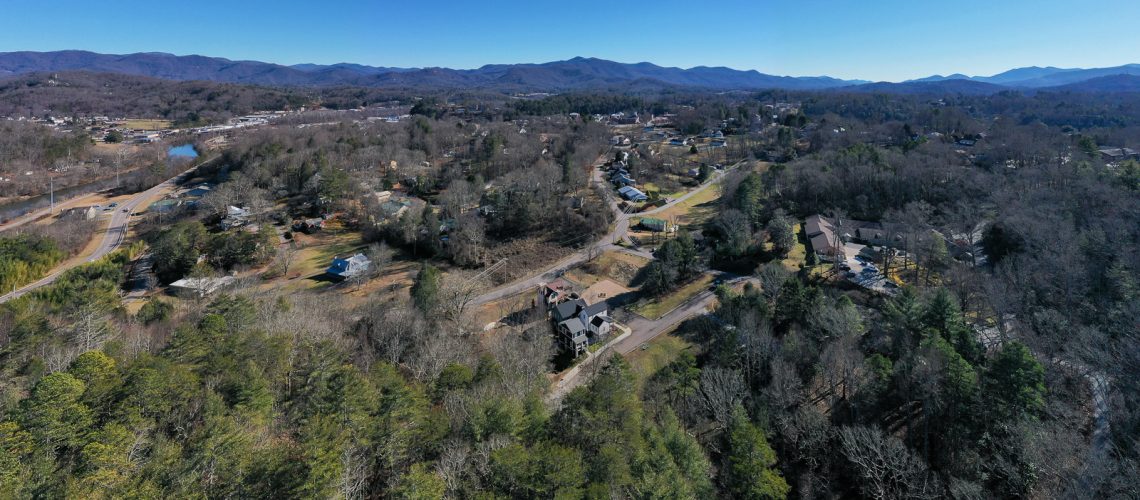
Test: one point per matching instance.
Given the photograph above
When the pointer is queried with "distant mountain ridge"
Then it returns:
(579, 73)
(1034, 77)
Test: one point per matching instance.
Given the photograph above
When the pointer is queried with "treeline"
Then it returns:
(584, 104)
(28, 253)
(178, 250)
(102, 94)
(285, 397)
(903, 405)
(25, 258)
(31, 344)
(532, 179)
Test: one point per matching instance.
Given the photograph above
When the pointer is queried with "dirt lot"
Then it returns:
(620, 267)
(603, 290)
(525, 255)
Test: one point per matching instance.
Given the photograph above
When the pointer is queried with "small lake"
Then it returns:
(183, 151)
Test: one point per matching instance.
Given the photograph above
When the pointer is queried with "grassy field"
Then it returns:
(658, 353)
(653, 309)
(317, 252)
(798, 253)
(649, 186)
(696, 210)
(144, 124)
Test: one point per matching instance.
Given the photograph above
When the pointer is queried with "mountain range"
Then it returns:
(574, 74)
(1035, 77)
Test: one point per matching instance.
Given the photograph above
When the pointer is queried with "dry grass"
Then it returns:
(620, 267)
(316, 252)
(146, 124)
(698, 209)
(525, 256)
(656, 308)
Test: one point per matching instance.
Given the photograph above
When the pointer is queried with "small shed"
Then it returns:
(655, 225)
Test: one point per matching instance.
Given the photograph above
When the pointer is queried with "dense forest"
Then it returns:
(1004, 366)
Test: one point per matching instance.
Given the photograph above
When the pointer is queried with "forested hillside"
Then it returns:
(818, 295)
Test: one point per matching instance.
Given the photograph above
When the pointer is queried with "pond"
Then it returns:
(183, 151)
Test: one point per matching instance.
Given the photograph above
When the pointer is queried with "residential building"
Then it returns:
(581, 325)
(578, 323)
(1119, 154)
(393, 209)
(309, 226)
(199, 287)
(632, 194)
(623, 179)
(550, 294)
(821, 233)
(350, 267)
(235, 217)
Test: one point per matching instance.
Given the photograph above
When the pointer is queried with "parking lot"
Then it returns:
(859, 268)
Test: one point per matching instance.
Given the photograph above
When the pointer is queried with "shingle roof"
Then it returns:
(574, 326)
(596, 309)
(568, 309)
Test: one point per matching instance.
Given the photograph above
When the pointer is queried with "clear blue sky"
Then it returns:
(870, 39)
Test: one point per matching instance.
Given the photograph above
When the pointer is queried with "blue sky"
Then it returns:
(869, 39)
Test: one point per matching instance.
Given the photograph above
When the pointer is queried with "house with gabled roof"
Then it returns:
(351, 267)
(579, 325)
(632, 194)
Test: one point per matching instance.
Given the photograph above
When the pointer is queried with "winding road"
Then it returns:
(620, 232)
(114, 235)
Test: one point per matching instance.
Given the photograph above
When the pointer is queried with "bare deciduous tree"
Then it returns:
(888, 469)
(720, 391)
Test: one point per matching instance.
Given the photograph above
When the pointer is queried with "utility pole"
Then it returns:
(119, 164)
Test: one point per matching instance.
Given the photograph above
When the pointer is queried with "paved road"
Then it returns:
(644, 330)
(112, 238)
(620, 232)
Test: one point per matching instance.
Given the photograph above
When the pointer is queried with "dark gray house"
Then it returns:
(580, 325)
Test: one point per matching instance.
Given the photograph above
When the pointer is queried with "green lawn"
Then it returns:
(655, 308)
(695, 210)
(658, 353)
(798, 254)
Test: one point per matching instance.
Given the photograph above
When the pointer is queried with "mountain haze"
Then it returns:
(579, 73)
(1034, 77)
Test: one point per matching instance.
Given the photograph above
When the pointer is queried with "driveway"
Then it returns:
(863, 271)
